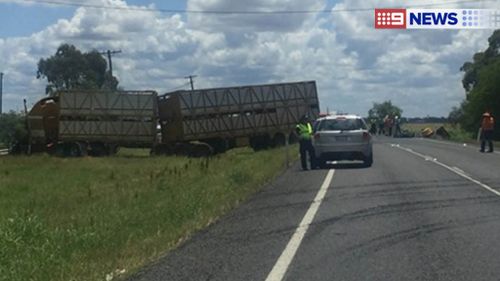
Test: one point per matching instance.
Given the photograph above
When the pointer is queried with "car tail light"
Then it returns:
(316, 136)
(366, 136)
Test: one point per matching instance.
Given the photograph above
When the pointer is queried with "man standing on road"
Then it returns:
(304, 130)
(487, 126)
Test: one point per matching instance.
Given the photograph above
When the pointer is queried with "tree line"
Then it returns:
(481, 82)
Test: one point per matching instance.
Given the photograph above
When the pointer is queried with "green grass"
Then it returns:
(81, 219)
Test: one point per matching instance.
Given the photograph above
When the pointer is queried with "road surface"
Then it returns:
(425, 210)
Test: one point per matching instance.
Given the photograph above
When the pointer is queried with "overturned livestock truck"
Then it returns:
(260, 115)
(77, 123)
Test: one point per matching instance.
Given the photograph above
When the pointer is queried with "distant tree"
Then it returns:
(70, 69)
(12, 128)
(481, 82)
(380, 110)
(456, 115)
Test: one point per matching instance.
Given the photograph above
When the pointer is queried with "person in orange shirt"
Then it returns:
(487, 127)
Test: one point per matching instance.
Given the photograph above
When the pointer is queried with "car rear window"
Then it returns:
(341, 125)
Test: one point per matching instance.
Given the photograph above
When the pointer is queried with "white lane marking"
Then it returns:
(456, 171)
(281, 266)
(472, 146)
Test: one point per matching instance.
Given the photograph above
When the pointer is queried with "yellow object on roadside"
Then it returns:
(427, 132)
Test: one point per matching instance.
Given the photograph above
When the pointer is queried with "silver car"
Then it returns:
(342, 137)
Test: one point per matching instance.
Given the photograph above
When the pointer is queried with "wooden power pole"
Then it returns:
(109, 53)
(1, 91)
(190, 77)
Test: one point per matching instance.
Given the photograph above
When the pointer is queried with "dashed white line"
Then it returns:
(281, 266)
(458, 169)
(453, 169)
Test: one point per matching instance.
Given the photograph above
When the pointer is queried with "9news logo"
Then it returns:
(390, 18)
(436, 19)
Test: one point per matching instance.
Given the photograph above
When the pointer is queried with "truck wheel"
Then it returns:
(73, 149)
(200, 150)
(260, 142)
(97, 149)
(83, 148)
(112, 149)
(162, 149)
(278, 140)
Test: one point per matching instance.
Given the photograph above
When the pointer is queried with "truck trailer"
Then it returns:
(260, 115)
(77, 123)
(198, 122)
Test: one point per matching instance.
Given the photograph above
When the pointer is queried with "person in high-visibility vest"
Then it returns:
(487, 127)
(305, 133)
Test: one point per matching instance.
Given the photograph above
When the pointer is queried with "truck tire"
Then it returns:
(278, 140)
(162, 149)
(112, 149)
(70, 149)
(218, 145)
(200, 150)
(260, 142)
(98, 149)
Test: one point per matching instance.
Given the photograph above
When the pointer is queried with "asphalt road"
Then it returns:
(424, 211)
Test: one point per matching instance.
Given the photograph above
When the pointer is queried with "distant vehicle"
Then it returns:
(342, 137)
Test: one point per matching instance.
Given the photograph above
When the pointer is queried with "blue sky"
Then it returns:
(18, 20)
(353, 64)
(23, 20)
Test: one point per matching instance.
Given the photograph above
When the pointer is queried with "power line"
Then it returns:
(178, 87)
(237, 12)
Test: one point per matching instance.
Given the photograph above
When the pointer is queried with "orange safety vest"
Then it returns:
(488, 122)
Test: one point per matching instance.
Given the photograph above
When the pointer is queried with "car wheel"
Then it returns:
(322, 164)
(368, 161)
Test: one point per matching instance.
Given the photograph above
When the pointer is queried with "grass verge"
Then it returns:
(94, 218)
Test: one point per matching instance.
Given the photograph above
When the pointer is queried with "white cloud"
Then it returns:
(251, 22)
(354, 64)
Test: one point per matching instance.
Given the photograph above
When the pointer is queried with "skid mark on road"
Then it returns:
(392, 183)
(376, 244)
(398, 189)
(401, 209)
